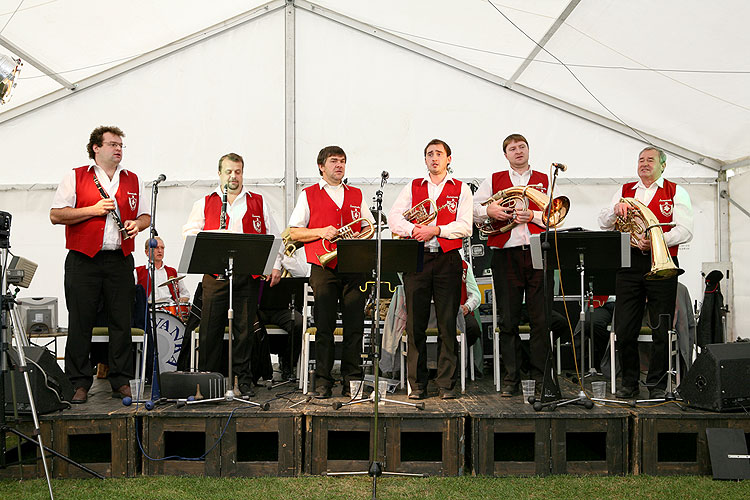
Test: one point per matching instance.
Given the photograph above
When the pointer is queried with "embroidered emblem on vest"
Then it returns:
(132, 200)
(256, 223)
(452, 204)
(355, 212)
(666, 207)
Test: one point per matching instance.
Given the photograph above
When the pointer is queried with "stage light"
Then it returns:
(9, 69)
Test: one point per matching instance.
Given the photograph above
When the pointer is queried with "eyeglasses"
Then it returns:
(114, 144)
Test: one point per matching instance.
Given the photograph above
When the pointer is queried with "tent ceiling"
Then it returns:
(625, 53)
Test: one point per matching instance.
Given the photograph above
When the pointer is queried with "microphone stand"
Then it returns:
(376, 468)
(550, 394)
(155, 374)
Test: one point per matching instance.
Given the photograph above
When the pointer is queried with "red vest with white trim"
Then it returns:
(662, 204)
(142, 275)
(450, 195)
(87, 236)
(324, 212)
(253, 222)
(500, 181)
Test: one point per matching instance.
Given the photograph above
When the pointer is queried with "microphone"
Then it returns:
(560, 166)
(384, 175)
(159, 179)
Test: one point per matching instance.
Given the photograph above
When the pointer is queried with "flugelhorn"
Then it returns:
(290, 246)
(639, 221)
(345, 233)
(423, 212)
(510, 197)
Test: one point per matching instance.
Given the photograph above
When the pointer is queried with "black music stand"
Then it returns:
(213, 252)
(361, 256)
(283, 294)
(595, 256)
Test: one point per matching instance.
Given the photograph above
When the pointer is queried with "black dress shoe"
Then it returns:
(510, 391)
(657, 393)
(448, 394)
(247, 390)
(323, 392)
(81, 396)
(345, 391)
(627, 392)
(417, 394)
(122, 391)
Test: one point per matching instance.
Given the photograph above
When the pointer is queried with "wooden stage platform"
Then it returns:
(478, 434)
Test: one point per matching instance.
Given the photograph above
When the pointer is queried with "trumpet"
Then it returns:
(423, 212)
(345, 233)
(510, 197)
(640, 221)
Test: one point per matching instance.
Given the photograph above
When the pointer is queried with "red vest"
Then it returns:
(324, 212)
(87, 236)
(500, 181)
(662, 204)
(142, 273)
(253, 221)
(450, 195)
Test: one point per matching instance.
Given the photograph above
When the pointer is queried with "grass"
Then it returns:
(329, 488)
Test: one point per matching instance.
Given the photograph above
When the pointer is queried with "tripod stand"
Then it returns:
(11, 321)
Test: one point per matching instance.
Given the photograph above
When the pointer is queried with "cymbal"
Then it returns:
(172, 280)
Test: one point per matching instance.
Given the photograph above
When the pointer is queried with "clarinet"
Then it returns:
(223, 216)
(118, 220)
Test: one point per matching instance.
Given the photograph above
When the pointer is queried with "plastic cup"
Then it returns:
(135, 385)
(528, 389)
(599, 389)
(355, 388)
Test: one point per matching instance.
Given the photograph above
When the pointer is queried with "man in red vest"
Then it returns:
(441, 277)
(321, 210)
(670, 203)
(246, 212)
(177, 292)
(102, 208)
(513, 274)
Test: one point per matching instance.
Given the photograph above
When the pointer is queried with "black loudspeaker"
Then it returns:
(49, 385)
(719, 379)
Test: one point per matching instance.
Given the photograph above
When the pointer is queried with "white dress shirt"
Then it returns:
(520, 234)
(164, 292)
(65, 196)
(460, 228)
(235, 211)
(682, 212)
(473, 297)
(301, 214)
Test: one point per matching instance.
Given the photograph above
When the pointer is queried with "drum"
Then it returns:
(179, 309)
(170, 331)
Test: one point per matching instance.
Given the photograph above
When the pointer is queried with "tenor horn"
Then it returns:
(639, 221)
(345, 233)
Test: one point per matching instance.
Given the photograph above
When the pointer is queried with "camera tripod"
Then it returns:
(11, 322)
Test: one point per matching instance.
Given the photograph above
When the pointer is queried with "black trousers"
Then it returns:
(440, 279)
(514, 277)
(214, 319)
(331, 288)
(657, 297)
(287, 347)
(473, 330)
(109, 274)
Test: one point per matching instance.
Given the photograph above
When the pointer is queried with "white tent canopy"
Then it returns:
(589, 83)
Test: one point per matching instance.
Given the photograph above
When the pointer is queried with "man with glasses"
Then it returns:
(102, 208)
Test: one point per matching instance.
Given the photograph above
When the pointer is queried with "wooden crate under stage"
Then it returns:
(509, 438)
(430, 441)
(253, 442)
(668, 440)
(29, 468)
